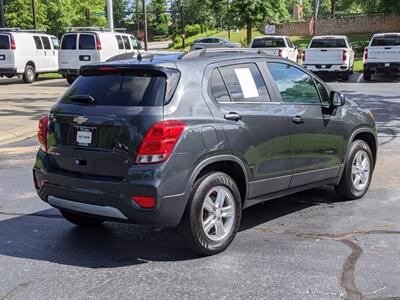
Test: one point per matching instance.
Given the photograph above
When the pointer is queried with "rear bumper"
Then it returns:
(108, 199)
(392, 67)
(69, 71)
(8, 71)
(327, 69)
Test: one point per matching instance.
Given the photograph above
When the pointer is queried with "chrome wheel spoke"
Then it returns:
(209, 205)
(220, 198)
(360, 170)
(227, 211)
(219, 228)
(208, 224)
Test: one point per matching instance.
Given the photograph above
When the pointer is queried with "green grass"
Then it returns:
(50, 76)
(358, 65)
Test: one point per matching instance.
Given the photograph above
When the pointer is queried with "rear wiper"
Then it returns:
(82, 99)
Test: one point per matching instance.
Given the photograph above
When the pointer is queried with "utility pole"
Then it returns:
(34, 14)
(183, 35)
(110, 15)
(227, 12)
(316, 8)
(145, 25)
(2, 21)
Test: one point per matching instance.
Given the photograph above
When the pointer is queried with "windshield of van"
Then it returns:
(4, 41)
(393, 40)
(328, 43)
(69, 42)
(268, 43)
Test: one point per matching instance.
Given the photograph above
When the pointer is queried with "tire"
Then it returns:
(194, 223)
(70, 79)
(346, 75)
(80, 220)
(29, 74)
(347, 188)
(367, 75)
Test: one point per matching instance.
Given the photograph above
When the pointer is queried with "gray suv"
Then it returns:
(192, 140)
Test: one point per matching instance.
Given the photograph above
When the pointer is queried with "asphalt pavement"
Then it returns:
(309, 245)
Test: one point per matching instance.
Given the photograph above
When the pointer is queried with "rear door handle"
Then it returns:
(233, 116)
(298, 120)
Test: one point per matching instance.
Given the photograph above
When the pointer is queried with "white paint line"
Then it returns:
(359, 78)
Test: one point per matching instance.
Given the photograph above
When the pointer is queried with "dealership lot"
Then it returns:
(306, 246)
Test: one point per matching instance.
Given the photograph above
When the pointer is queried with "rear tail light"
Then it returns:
(145, 202)
(303, 55)
(98, 43)
(344, 55)
(13, 46)
(366, 53)
(280, 52)
(42, 133)
(159, 141)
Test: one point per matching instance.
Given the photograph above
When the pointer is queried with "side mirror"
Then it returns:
(337, 99)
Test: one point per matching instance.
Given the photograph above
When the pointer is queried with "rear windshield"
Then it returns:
(4, 41)
(393, 40)
(328, 43)
(142, 88)
(69, 42)
(87, 42)
(268, 43)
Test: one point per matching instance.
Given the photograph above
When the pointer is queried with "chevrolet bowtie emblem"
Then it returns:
(80, 120)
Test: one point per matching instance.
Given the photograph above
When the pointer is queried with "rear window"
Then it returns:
(268, 43)
(120, 42)
(69, 42)
(393, 40)
(328, 43)
(4, 41)
(141, 88)
(87, 42)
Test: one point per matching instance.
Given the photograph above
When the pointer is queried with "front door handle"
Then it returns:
(233, 116)
(298, 120)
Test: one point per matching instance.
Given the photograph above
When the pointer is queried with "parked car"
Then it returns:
(27, 53)
(84, 46)
(213, 42)
(277, 45)
(191, 141)
(382, 55)
(329, 54)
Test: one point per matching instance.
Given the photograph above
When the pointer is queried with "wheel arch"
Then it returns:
(31, 63)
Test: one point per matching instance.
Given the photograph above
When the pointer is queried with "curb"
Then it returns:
(7, 137)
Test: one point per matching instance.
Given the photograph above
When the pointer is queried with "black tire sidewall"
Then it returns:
(26, 77)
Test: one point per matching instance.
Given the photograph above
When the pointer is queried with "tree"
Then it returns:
(158, 19)
(121, 10)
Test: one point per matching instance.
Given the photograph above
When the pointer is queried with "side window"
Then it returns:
(289, 42)
(218, 87)
(68, 42)
(46, 42)
(135, 44)
(87, 42)
(126, 42)
(325, 98)
(38, 42)
(120, 42)
(295, 85)
(56, 44)
(245, 83)
(207, 41)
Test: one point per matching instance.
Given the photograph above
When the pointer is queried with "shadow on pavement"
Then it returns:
(48, 237)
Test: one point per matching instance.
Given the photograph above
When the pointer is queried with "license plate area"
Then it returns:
(85, 136)
(2, 57)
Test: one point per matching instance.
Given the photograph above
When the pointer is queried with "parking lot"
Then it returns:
(306, 246)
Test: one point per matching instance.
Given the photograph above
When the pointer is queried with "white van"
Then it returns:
(27, 53)
(84, 46)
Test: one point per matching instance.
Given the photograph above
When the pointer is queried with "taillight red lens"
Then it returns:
(303, 55)
(366, 53)
(159, 141)
(42, 133)
(98, 44)
(145, 202)
(280, 52)
(12, 44)
(344, 55)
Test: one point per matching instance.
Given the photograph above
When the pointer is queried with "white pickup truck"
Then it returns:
(329, 54)
(277, 45)
(382, 55)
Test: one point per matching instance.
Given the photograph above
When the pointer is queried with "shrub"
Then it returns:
(192, 29)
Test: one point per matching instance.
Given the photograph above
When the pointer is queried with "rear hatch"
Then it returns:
(79, 49)
(384, 49)
(7, 58)
(270, 45)
(325, 51)
(97, 127)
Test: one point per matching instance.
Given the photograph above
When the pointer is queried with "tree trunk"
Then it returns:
(333, 8)
(249, 33)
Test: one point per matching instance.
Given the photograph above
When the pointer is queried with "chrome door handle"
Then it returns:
(298, 120)
(233, 116)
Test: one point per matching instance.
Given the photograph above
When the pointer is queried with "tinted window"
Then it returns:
(322, 92)
(294, 84)
(120, 42)
(4, 41)
(46, 42)
(87, 42)
(393, 40)
(207, 41)
(126, 42)
(120, 90)
(69, 42)
(218, 88)
(290, 44)
(328, 43)
(245, 83)
(56, 44)
(38, 42)
(268, 43)
(135, 44)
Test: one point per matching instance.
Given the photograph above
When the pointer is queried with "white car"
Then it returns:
(27, 53)
(382, 55)
(276, 45)
(85, 46)
(329, 54)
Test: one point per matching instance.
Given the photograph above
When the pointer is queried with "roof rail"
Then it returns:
(212, 51)
(96, 29)
(17, 29)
